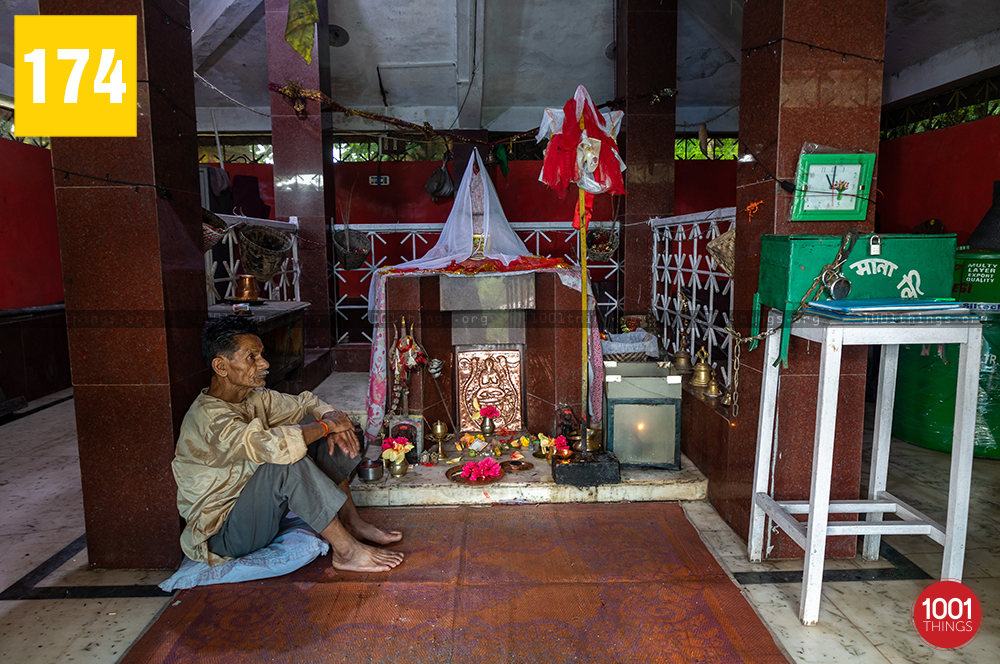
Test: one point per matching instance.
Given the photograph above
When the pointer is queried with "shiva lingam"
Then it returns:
(702, 372)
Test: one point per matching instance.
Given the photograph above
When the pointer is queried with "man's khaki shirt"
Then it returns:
(220, 446)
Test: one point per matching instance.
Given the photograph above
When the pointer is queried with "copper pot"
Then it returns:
(246, 288)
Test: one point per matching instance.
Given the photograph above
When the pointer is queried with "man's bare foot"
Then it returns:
(363, 558)
(363, 530)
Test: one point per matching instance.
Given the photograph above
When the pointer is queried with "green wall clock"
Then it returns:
(833, 187)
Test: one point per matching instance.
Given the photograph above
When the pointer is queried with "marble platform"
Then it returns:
(428, 485)
(424, 485)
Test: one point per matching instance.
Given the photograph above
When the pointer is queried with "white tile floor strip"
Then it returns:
(860, 621)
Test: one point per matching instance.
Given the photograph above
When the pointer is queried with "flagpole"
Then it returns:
(585, 402)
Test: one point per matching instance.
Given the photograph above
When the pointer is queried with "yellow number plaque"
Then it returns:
(75, 75)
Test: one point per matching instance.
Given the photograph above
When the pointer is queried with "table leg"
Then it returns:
(966, 399)
(880, 440)
(765, 441)
(822, 471)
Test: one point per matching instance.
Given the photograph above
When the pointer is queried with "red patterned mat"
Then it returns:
(541, 583)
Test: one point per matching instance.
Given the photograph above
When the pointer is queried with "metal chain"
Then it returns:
(846, 245)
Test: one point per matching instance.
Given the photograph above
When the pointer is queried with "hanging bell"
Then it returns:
(702, 371)
(682, 358)
(714, 389)
(682, 361)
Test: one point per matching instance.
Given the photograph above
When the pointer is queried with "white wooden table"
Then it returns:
(811, 535)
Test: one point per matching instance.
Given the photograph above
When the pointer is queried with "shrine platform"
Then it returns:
(427, 485)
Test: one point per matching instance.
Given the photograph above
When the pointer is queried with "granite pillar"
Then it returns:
(300, 163)
(811, 73)
(134, 281)
(646, 62)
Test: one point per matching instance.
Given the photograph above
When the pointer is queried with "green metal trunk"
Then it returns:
(907, 266)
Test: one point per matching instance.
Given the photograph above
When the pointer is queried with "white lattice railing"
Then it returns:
(681, 263)
(417, 238)
(222, 273)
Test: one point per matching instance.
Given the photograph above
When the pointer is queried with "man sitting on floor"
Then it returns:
(242, 462)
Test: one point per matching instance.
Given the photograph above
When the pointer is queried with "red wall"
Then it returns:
(30, 272)
(265, 179)
(701, 185)
(704, 185)
(945, 174)
(522, 196)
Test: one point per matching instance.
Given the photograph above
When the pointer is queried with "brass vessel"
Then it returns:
(593, 441)
(702, 371)
(246, 288)
(439, 431)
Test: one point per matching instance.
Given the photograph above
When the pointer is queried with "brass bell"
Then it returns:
(714, 389)
(682, 358)
(682, 361)
(702, 371)
(246, 288)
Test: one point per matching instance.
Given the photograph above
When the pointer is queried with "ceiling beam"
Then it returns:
(943, 69)
(471, 15)
(217, 24)
(721, 19)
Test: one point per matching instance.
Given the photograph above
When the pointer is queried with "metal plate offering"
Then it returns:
(455, 475)
(516, 466)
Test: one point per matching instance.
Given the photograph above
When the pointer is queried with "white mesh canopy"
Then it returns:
(456, 242)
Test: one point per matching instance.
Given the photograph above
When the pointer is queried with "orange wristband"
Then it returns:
(327, 428)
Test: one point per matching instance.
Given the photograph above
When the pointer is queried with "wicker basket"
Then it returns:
(608, 238)
(262, 251)
(627, 357)
(213, 229)
(355, 258)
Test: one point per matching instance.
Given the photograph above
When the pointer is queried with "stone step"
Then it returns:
(427, 485)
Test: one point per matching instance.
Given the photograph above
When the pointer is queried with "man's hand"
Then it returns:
(341, 433)
(346, 441)
(338, 421)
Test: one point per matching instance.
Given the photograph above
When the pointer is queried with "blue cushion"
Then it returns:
(295, 546)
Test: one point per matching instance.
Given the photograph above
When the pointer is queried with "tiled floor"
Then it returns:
(42, 556)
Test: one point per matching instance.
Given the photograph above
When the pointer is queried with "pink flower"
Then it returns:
(489, 411)
(486, 469)
(394, 449)
(560, 443)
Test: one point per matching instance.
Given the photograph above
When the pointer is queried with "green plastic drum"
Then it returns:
(924, 410)
(977, 276)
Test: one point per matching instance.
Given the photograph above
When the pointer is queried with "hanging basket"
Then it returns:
(262, 251)
(723, 250)
(360, 246)
(213, 229)
(601, 245)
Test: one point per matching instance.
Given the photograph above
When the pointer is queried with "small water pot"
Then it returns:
(370, 470)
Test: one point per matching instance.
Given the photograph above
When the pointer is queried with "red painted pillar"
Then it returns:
(646, 62)
(792, 93)
(134, 281)
(300, 164)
